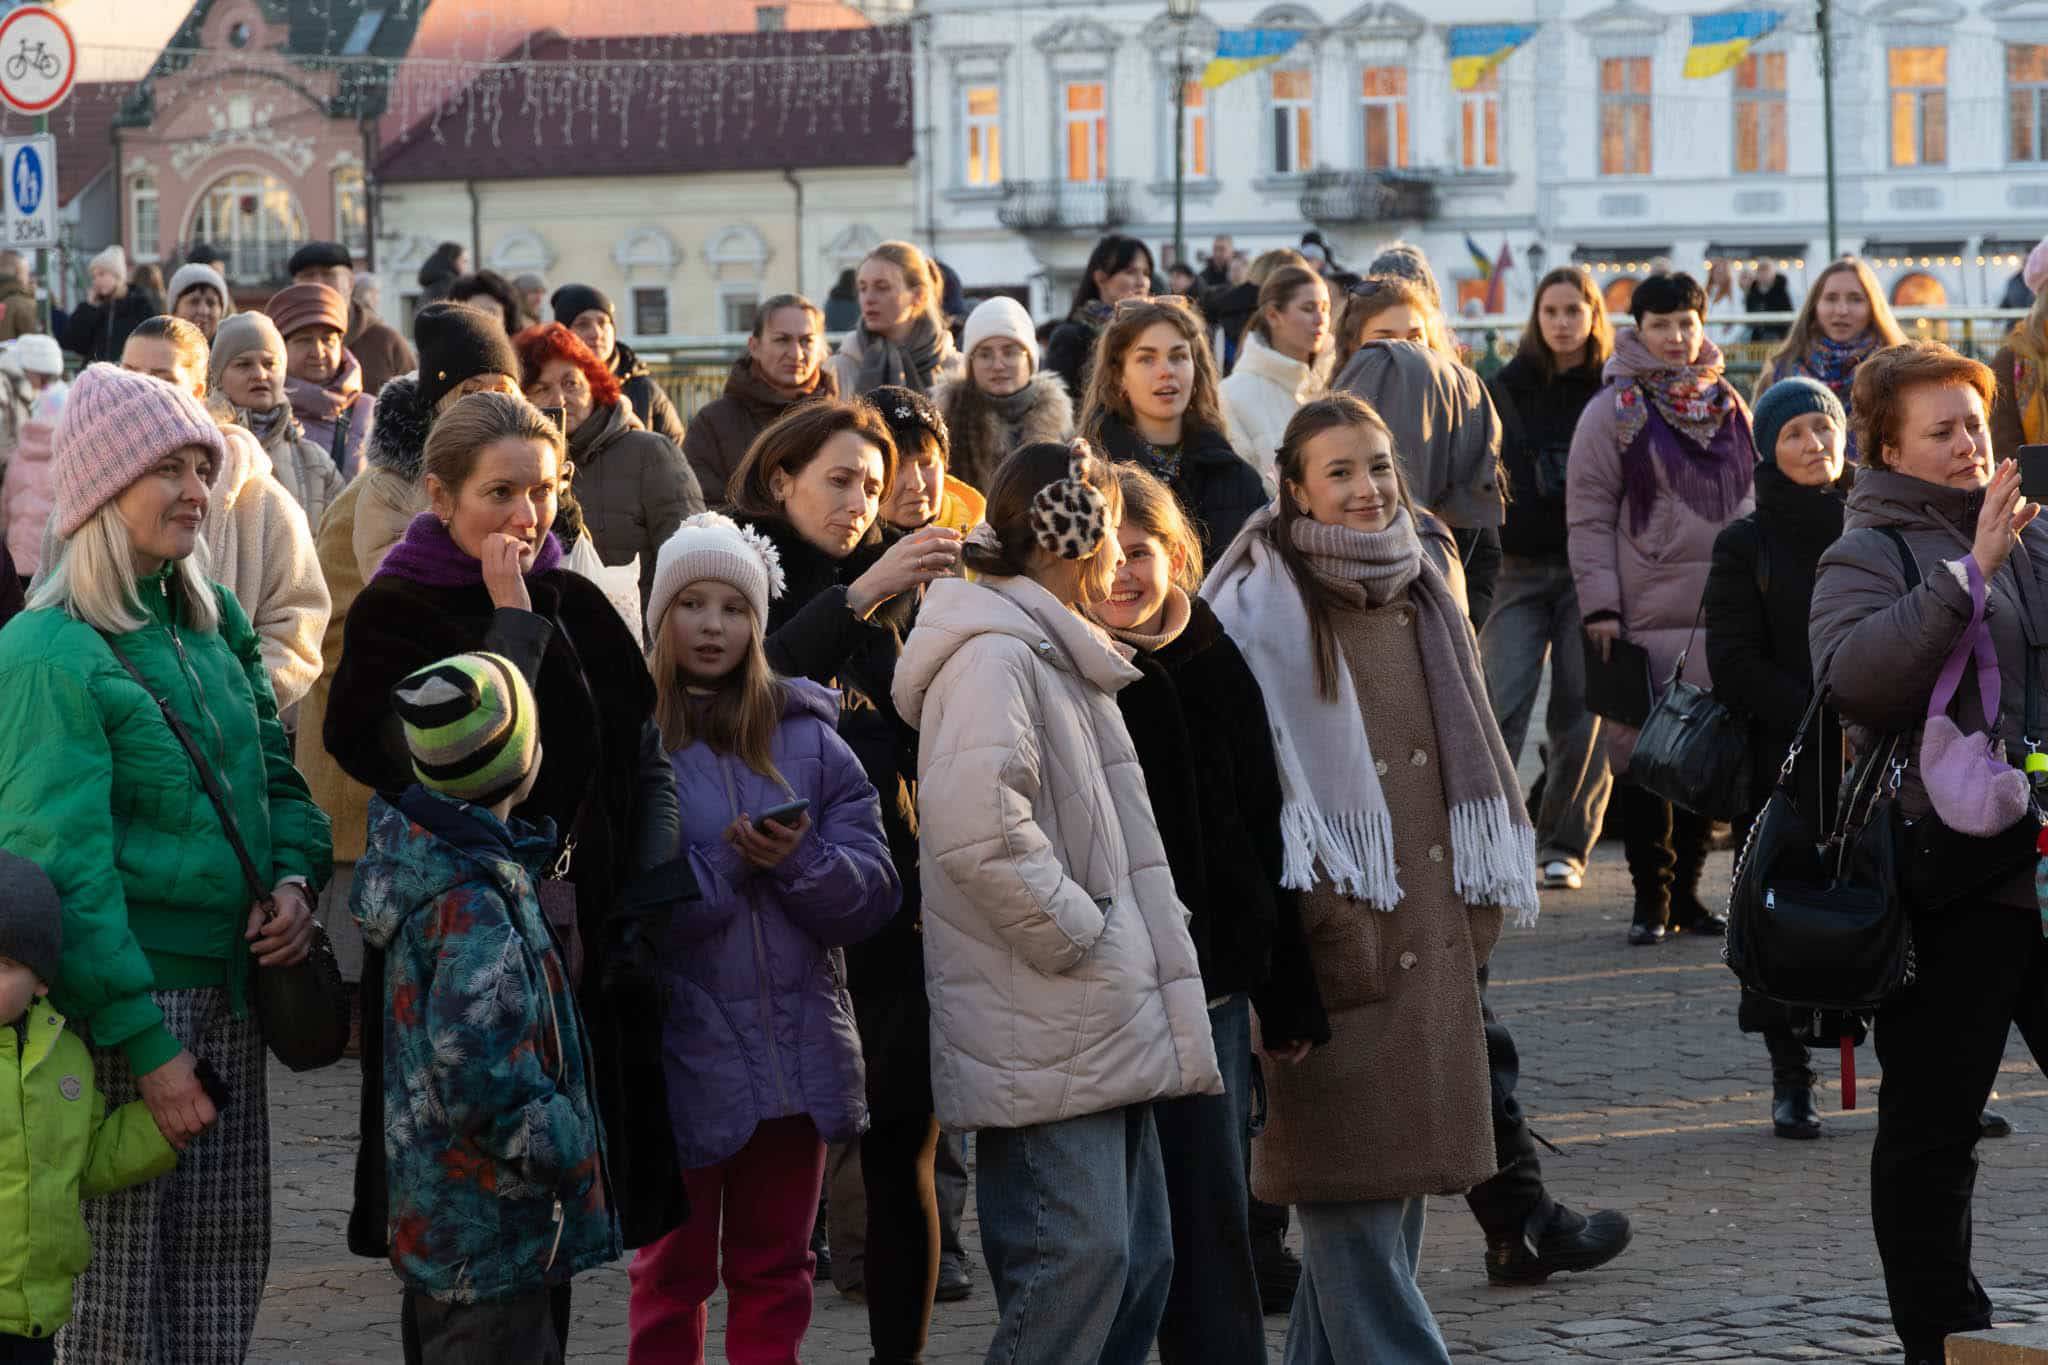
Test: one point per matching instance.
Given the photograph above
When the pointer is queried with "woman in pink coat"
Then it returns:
(27, 497)
(1661, 461)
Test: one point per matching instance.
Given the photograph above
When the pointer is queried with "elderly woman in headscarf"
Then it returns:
(199, 295)
(245, 374)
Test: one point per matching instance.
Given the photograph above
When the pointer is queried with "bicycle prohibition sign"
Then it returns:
(38, 59)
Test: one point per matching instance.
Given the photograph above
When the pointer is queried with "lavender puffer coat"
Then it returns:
(759, 1024)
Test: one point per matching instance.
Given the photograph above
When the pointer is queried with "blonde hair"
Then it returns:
(461, 434)
(740, 718)
(92, 578)
(1266, 262)
(1785, 360)
(1152, 506)
(919, 273)
(1276, 293)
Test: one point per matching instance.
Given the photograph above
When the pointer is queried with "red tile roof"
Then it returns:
(671, 105)
(84, 128)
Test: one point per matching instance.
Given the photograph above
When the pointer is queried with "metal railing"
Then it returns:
(1368, 197)
(1064, 205)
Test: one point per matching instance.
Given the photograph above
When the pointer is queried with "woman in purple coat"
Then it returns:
(762, 1059)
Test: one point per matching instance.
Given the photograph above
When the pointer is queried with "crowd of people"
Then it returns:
(977, 731)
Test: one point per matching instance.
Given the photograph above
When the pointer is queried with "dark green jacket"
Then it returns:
(96, 789)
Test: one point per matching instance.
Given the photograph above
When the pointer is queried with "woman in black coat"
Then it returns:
(480, 571)
(1758, 600)
(1119, 268)
(813, 483)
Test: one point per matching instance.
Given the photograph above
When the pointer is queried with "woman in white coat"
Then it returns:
(1064, 987)
(1285, 362)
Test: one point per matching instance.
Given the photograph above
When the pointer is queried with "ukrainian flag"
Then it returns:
(1480, 260)
(1478, 48)
(1720, 41)
(1243, 50)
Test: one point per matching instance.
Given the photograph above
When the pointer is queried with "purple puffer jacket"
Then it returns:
(760, 1025)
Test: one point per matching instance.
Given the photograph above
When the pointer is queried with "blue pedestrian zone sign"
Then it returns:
(27, 181)
(31, 164)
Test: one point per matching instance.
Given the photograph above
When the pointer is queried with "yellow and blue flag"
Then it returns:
(1481, 262)
(1243, 50)
(1478, 48)
(1721, 41)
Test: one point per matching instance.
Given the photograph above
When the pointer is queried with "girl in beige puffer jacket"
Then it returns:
(1064, 987)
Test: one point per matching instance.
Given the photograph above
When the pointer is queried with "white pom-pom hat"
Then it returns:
(713, 546)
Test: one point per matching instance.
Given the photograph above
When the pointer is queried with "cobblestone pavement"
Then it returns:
(1746, 1248)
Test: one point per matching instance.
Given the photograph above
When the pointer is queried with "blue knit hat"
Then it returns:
(1785, 400)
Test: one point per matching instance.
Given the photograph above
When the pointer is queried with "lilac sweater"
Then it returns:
(759, 1023)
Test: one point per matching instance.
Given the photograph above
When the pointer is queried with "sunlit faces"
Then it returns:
(1348, 479)
(1000, 366)
(163, 510)
(1402, 322)
(832, 501)
(158, 359)
(1301, 328)
(201, 305)
(105, 282)
(1942, 437)
(711, 627)
(562, 384)
(1843, 309)
(1159, 374)
(1566, 321)
(920, 483)
(313, 354)
(514, 490)
(593, 327)
(790, 348)
(1138, 593)
(1673, 338)
(1134, 281)
(888, 304)
(254, 381)
(1810, 450)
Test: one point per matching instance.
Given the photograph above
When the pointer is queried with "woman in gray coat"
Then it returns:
(1930, 490)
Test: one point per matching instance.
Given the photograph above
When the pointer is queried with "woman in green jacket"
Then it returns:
(159, 938)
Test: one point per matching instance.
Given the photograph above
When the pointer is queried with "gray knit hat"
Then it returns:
(242, 332)
(31, 917)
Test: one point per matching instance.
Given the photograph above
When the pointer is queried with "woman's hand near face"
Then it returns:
(915, 560)
(2004, 515)
(504, 561)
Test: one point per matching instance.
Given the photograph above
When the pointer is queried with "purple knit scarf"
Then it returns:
(1711, 478)
(430, 557)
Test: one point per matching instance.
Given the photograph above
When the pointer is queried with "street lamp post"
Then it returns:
(1824, 22)
(1181, 11)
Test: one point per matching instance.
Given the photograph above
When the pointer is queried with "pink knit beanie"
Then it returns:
(2035, 271)
(116, 424)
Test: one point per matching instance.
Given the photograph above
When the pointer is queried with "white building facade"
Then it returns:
(1046, 124)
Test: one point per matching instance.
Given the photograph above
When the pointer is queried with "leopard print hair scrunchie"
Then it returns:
(1070, 517)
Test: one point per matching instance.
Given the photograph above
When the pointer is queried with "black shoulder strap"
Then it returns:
(1906, 560)
(206, 777)
(337, 449)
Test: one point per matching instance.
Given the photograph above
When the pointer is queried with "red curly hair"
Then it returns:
(546, 341)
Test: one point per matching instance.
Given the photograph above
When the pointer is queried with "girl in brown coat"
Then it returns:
(1404, 826)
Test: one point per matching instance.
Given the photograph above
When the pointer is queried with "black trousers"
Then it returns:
(1513, 1203)
(532, 1328)
(1982, 969)
(1666, 847)
(27, 1350)
(900, 1267)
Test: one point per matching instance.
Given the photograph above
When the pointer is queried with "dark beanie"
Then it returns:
(1785, 400)
(31, 918)
(319, 256)
(458, 342)
(572, 301)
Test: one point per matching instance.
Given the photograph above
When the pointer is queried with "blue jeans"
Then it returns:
(1075, 1231)
(1212, 1313)
(1358, 1300)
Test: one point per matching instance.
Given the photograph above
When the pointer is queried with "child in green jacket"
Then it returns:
(54, 1121)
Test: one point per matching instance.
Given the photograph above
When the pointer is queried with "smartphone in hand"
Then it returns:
(786, 816)
(2034, 473)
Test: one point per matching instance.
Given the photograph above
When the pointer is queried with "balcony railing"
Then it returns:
(249, 265)
(1368, 197)
(1065, 205)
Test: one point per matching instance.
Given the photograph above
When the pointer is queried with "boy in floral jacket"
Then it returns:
(496, 1157)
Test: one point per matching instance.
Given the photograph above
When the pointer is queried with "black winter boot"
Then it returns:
(1567, 1241)
(1792, 1112)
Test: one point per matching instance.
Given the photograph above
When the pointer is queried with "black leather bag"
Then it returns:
(1693, 751)
(301, 1009)
(1822, 922)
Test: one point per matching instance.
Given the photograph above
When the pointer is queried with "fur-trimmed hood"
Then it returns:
(982, 436)
(398, 433)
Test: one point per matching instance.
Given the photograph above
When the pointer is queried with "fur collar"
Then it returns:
(980, 435)
(398, 429)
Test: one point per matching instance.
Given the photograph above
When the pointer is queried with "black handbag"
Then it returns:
(303, 1009)
(1693, 751)
(1822, 923)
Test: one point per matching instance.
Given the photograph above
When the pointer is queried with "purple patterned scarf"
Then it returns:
(1688, 422)
(430, 557)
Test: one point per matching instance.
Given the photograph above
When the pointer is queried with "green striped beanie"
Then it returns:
(471, 726)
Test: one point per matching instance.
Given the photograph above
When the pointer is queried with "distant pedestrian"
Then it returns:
(382, 352)
(842, 304)
(200, 296)
(784, 366)
(18, 314)
(1118, 268)
(101, 322)
(492, 292)
(1004, 401)
(322, 380)
(245, 369)
(1285, 362)
(2019, 413)
(449, 261)
(1229, 307)
(1768, 292)
(902, 337)
(588, 312)
(533, 296)
(1844, 320)
(1216, 270)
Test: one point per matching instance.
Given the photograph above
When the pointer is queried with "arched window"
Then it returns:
(351, 210)
(255, 221)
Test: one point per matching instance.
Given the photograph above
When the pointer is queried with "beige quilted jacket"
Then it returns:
(1057, 958)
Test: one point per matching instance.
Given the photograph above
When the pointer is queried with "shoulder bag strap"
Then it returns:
(206, 777)
(1975, 642)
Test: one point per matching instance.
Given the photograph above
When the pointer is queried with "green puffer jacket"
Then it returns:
(60, 1145)
(96, 789)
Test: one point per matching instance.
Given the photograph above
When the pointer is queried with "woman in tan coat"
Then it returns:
(1404, 826)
